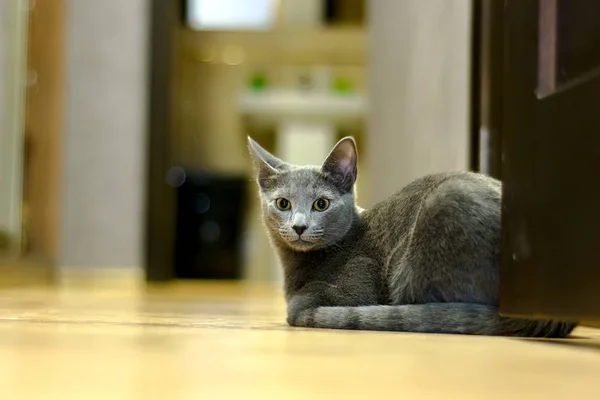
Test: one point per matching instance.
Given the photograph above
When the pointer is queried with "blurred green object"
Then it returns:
(258, 82)
(342, 85)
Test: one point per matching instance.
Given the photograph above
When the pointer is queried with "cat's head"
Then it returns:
(307, 207)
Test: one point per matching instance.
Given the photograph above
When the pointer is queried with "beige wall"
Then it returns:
(105, 144)
(419, 75)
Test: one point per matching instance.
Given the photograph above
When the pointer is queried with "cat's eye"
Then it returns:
(283, 204)
(321, 204)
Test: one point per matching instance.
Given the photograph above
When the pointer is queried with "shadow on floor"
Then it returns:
(572, 342)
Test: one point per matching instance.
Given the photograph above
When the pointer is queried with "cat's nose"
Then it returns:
(299, 229)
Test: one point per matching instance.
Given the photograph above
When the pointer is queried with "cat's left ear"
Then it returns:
(341, 164)
(267, 166)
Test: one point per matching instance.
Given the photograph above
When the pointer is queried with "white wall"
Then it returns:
(419, 89)
(13, 50)
(105, 144)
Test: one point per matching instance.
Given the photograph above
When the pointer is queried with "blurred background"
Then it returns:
(123, 124)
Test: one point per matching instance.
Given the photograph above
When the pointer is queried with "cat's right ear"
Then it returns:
(341, 164)
(266, 165)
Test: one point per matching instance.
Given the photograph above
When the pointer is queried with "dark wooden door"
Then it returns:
(551, 159)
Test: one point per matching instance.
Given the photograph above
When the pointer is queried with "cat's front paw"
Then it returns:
(302, 319)
(300, 311)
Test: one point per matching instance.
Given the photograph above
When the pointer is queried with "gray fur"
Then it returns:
(424, 260)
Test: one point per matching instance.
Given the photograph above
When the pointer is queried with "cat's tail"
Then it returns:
(458, 318)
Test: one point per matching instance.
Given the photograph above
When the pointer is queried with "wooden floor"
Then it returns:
(223, 341)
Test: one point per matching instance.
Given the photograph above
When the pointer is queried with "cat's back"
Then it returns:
(457, 195)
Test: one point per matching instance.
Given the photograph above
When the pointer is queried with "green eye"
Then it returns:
(321, 204)
(283, 204)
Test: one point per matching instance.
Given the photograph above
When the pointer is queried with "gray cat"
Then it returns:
(424, 260)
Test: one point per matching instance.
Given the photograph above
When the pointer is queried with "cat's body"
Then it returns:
(424, 260)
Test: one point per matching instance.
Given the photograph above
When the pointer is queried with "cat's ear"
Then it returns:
(341, 164)
(267, 166)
